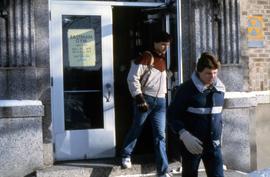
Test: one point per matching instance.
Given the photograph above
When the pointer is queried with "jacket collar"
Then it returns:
(158, 55)
(217, 84)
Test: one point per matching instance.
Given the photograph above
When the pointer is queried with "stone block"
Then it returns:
(236, 145)
(21, 148)
(43, 85)
(232, 77)
(3, 81)
(48, 157)
(239, 132)
(41, 14)
(262, 135)
(22, 83)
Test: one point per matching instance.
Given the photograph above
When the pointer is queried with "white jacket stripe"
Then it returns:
(213, 110)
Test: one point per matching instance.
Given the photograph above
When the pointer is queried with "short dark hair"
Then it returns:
(207, 60)
(162, 36)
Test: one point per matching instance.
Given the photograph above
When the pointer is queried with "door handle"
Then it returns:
(108, 86)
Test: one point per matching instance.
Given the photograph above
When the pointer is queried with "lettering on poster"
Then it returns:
(81, 47)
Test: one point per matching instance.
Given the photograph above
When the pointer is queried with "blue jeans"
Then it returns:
(157, 115)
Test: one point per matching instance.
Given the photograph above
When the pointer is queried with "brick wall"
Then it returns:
(255, 59)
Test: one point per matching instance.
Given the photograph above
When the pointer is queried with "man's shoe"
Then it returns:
(126, 162)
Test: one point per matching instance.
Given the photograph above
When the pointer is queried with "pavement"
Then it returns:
(143, 166)
(227, 173)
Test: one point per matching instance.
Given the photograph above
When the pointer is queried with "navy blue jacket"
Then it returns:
(198, 109)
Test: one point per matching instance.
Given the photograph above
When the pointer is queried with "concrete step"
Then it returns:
(142, 167)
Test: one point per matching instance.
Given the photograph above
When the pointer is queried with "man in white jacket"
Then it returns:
(147, 85)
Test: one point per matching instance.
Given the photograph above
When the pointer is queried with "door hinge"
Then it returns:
(51, 81)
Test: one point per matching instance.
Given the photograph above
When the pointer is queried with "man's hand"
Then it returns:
(141, 103)
(193, 144)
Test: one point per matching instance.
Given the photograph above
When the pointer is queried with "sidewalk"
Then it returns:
(227, 173)
(142, 167)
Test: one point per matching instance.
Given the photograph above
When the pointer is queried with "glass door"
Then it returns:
(82, 77)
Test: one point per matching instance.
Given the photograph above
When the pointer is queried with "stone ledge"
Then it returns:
(239, 100)
(263, 97)
(246, 99)
(21, 109)
(12, 103)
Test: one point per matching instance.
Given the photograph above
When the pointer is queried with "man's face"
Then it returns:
(161, 47)
(208, 76)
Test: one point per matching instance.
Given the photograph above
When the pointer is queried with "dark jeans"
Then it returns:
(211, 157)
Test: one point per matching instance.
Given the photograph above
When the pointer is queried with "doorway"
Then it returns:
(132, 34)
(91, 46)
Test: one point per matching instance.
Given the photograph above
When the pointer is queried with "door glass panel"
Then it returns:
(82, 63)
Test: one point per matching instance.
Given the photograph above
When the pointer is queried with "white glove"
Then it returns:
(193, 144)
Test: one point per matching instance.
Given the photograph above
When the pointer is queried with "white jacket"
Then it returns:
(156, 84)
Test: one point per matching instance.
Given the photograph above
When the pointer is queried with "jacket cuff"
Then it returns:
(134, 94)
(181, 131)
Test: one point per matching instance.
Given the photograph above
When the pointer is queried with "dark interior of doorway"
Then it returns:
(132, 33)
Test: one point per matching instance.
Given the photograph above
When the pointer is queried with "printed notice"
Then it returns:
(81, 47)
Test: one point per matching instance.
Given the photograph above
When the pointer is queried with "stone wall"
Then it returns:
(256, 59)
(238, 138)
(256, 62)
(24, 58)
(21, 146)
(246, 130)
(41, 12)
(263, 129)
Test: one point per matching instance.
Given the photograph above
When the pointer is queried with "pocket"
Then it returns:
(161, 104)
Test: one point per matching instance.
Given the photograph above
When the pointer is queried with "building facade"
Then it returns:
(74, 56)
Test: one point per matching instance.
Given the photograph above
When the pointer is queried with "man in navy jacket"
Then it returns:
(195, 115)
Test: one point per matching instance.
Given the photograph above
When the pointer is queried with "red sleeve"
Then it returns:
(144, 59)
